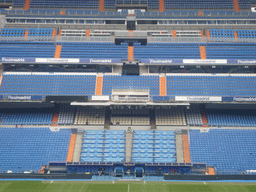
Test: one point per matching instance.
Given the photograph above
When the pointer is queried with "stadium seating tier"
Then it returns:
(228, 150)
(25, 149)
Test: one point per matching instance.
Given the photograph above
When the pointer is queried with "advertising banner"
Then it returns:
(197, 98)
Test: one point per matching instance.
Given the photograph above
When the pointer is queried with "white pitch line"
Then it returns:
(204, 183)
(128, 187)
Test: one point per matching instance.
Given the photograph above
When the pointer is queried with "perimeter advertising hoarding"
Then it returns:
(25, 97)
(197, 98)
(66, 98)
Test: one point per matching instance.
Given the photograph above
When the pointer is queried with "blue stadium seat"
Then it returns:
(51, 84)
(25, 149)
(130, 82)
(198, 4)
(94, 50)
(26, 117)
(27, 49)
(230, 51)
(167, 51)
(228, 150)
(154, 146)
(88, 4)
(12, 32)
(227, 118)
(103, 146)
(210, 85)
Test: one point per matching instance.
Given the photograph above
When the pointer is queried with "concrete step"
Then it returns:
(78, 147)
(128, 146)
(179, 148)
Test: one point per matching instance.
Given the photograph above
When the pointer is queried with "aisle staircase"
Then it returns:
(161, 5)
(236, 5)
(186, 150)
(78, 147)
(179, 148)
(26, 5)
(128, 146)
(152, 117)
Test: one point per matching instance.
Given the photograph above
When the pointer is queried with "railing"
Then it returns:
(30, 12)
(83, 39)
(32, 38)
(6, 1)
(200, 40)
(132, 2)
(177, 39)
(168, 13)
(230, 172)
(136, 34)
(126, 34)
(18, 170)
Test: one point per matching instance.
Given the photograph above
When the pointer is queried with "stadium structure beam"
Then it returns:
(112, 104)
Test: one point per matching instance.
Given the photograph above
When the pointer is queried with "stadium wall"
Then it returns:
(210, 177)
(44, 176)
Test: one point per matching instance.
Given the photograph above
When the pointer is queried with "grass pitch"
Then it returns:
(98, 186)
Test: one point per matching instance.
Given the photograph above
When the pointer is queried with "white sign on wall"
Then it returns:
(197, 98)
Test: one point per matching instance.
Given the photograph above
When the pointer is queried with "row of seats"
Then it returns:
(244, 4)
(199, 4)
(227, 33)
(177, 85)
(173, 116)
(230, 51)
(42, 84)
(25, 149)
(193, 116)
(90, 116)
(111, 51)
(152, 4)
(12, 32)
(227, 150)
(243, 33)
(127, 111)
(242, 85)
(103, 146)
(24, 49)
(130, 120)
(222, 13)
(90, 4)
(26, 118)
(130, 82)
(94, 50)
(66, 114)
(132, 2)
(20, 32)
(124, 13)
(6, 1)
(167, 51)
(109, 4)
(176, 116)
(40, 31)
(229, 118)
(154, 146)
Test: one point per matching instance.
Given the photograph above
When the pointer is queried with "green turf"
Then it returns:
(97, 186)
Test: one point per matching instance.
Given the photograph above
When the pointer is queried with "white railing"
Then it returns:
(126, 34)
(32, 38)
(131, 34)
(200, 40)
(84, 39)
